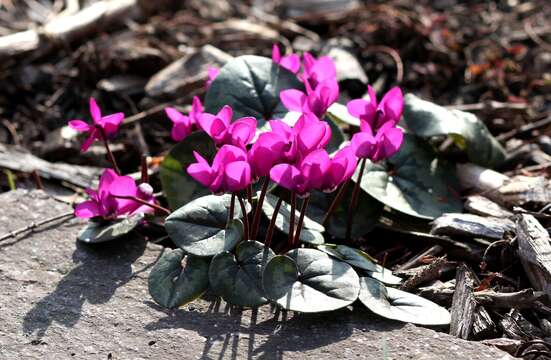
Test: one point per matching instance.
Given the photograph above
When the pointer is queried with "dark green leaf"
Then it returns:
(311, 231)
(400, 305)
(238, 278)
(427, 119)
(309, 280)
(414, 181)
(200, 227)
(361, 260)
(97, 232)
(251, 86)
(172, 284)
(178, 186)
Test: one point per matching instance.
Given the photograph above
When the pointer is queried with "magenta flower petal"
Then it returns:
(392, 105)
(276, 54)
(364, 145)
(89, 140)
(227, 154)
(87, 209)
(110, 123)
(212, 73)
(202, 173)
(214, 126)
(95, 111)
(237, 176)
(291, 62)
(225, 114)
(293, 100)
(242, 131)
(390, 142)
(196, 110)
(314, 168)
(124, 186)
(363, 110)
(287, 176)
(79, 125)
(181, 126)
(179, 131)
(313, 135)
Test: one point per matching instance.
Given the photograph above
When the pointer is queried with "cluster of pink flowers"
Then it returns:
(114, 198)
(116, 195)
(293, 157)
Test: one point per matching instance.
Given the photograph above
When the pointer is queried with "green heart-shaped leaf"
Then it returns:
(361, 260)
(400, 305)
(200, 227)
(364, 217)
(309, 280)
(311, 231)
(427, 119)
(172, 284)
(98, 232)
(414, 181)
(238, 278)
(251, 86)
(178, 186)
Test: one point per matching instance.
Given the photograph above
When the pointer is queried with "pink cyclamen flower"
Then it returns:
(343, 165)
(317, 171)
(212, 73)
(315, 101)
(183, 125)
(290, 62)
(311, 134)
(377, 114)
(109, 124)
(305, 176)
(104, 201)
(230, 170)
(385, 143)
(221, 129)
(318, 70)
(271, 148)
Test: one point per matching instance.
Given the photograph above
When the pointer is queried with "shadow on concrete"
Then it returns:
(100, 270)
(281, 332)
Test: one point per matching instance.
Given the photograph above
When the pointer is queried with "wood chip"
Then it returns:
(480, 205)
(535, 252)
(468, 319)
(472, 225)
(17, 159)
(186, 74)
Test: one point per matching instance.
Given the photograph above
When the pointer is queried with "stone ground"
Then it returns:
(63, 300)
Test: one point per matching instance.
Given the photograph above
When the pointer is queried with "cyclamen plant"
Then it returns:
(226, 248)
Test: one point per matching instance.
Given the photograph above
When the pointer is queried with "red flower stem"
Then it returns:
(145, 173)
(232, 208)
(354, 201)
(292, 217)
(270, 232)
(335, 202)
(143, 202)
(258, 209)
(301, 220)
(109, 153)
(250, 194)
(245, 218)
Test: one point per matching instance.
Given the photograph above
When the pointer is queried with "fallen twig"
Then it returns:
(32, 226)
